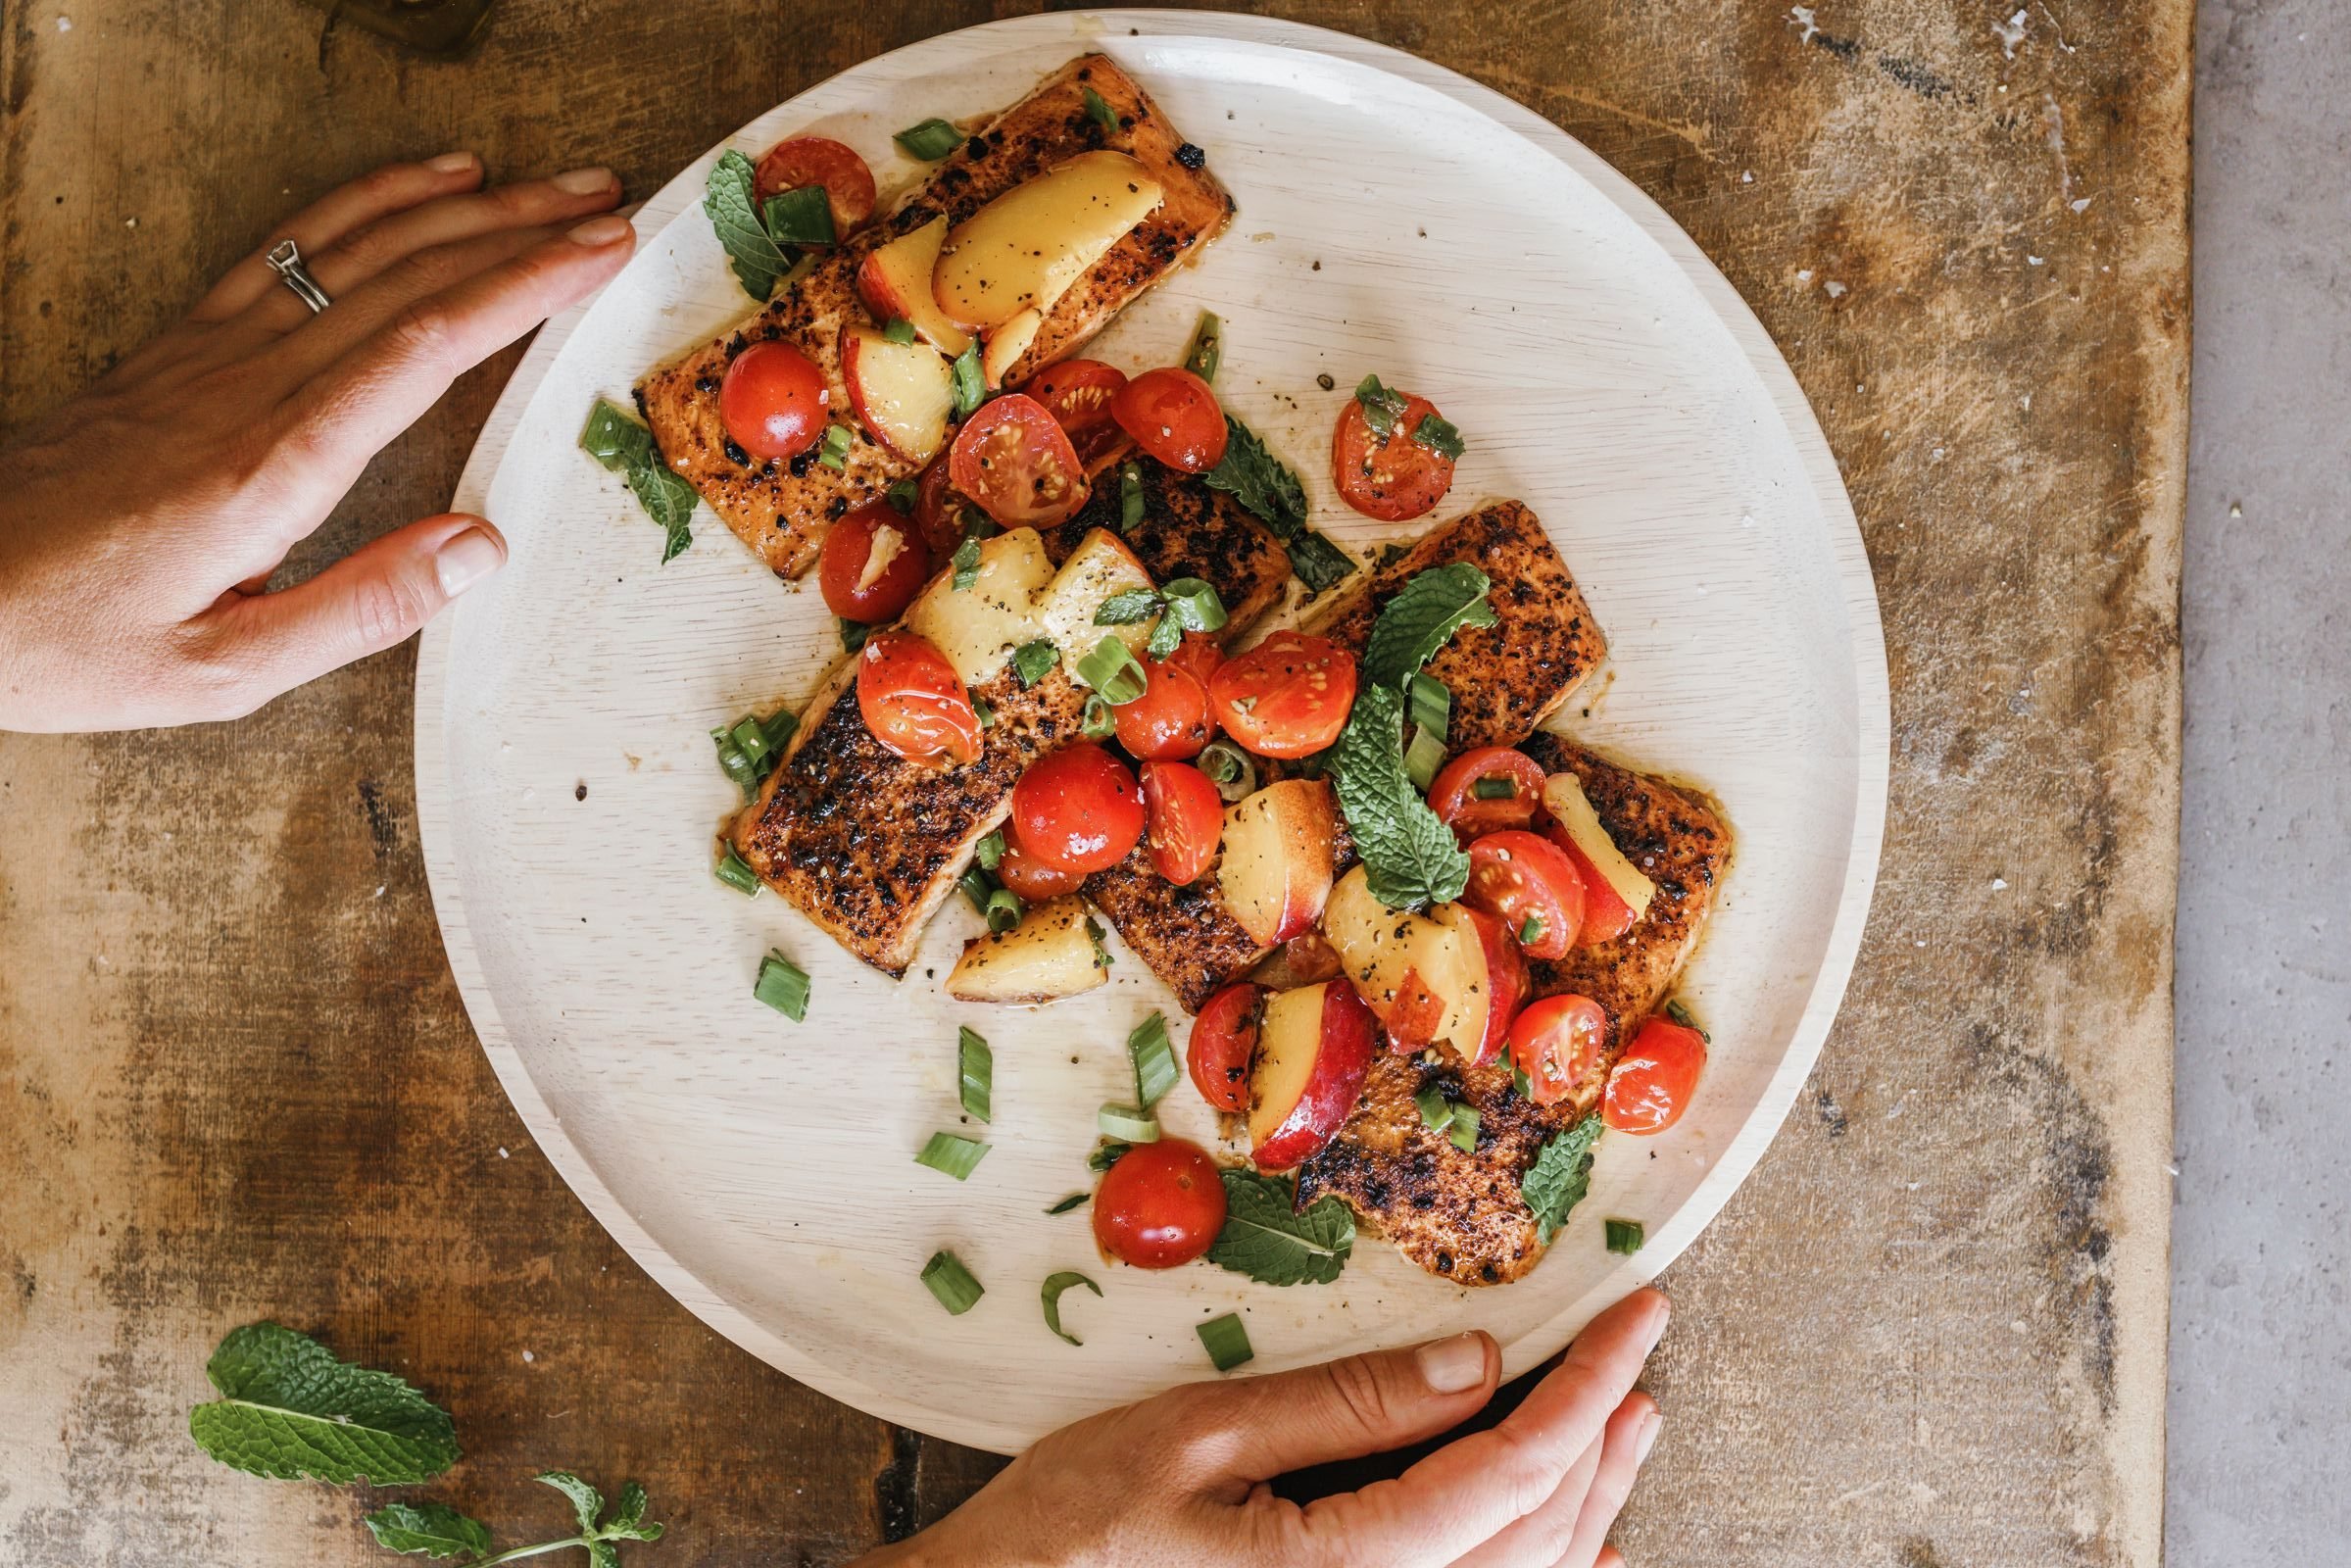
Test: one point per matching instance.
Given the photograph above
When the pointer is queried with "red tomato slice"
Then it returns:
(1077, 810)
(1652, 1081)
(1171, 720)
(773, 401)
(1031, 877)
(1186, 819)
(1014, 461)
(1518, 876)
(1555, 1043)
(1605, 916)
(1392, 477)
(1160, 1205)
(1077, 393)
(1173, 416)
(1200, 655)
(873, 563)
(1456, 799)
(819, 161)
(938, 510)
(1287, 697)
(1224, 1046)
(914, 703)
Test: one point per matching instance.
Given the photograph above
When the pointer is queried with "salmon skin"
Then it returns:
(781, 510)
(1459, 1215)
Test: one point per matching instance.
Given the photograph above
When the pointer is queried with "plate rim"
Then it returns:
(1857, 595)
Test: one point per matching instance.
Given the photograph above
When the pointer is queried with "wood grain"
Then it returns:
(1929, 1330)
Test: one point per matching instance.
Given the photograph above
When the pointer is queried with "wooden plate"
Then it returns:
(1395, 218)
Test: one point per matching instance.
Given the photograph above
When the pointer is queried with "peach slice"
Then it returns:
(1314, 1047)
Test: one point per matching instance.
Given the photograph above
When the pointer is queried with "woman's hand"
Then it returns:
(140, 524)
(1181, 1479)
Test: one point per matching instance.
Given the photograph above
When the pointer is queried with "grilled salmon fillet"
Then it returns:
(781, 510)
(1506, 679)
(1189, 530)
(1460, 1216)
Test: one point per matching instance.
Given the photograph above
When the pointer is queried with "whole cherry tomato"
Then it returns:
(773, 401)
(1077, 810)
(1186, 818)
(1032, 878)
(1160, 1205)
(913, 702)
(1171, 720)
(1556, 1042)
(1287, 697)
(1652, 1081)
(1392, 477)
(1224, 1045)
(1487, 790)
(1014, 461)
(1524, 880)
(819, 160)
(1173, 416)
(872, 564)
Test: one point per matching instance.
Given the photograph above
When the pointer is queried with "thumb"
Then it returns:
(370, 600)
(1342, 1410)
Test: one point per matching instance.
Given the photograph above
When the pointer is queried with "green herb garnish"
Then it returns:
(1113, 671)
(735, 217)
(1130, 1124)
(956, 1155)
(971, 385)
(903, 495)
(626, 448)
(1127, 609)
(1108, 1153)
(1267, 1239)
(1229, 768)
(976, 1075)
(1050, 1293)
(1381, 407)
(1192, 605)
(1206, 351)
(747, 744)
(1429, 704)
(1436, 1111)
(833, 451)
(1130, 497)
(898, 329)
(1681, 1014)
(1424, 756)
(1099, 721)
(1098, 109)
(1422, 619)
(436, 1530)
(1101, 951)
(976, 885)
(1531, 932)
(952, 1282)
(1437, 434)
(1153, 1059)
(1560, 1176)
(1002, 910)
(801, 216)
(966, 561)
(989, 851)
(1410, 857)
(1226, 1340)
(854, 634)
(736, 872)
(1464, 1129)
(783, 985)
(929, 141)
(1267, 488)
(1624, 1235)
(1073, 1200)
(1032, 661)
(289, 1409)
(1494, 789)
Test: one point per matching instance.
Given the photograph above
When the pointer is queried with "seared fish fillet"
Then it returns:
(1506, 679)
(1460, 1216)
(1189, 530)
(781, 510)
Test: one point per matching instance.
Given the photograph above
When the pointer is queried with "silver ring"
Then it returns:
(286, 261)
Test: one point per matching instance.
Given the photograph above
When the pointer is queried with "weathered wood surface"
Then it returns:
(1929, 1330)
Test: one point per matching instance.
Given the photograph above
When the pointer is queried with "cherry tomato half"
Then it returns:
(1520, 878)
(1391, 477)
(1555, 1043)
(872, 564)
(1077, 393)
(819, 161)
(938, 510)
(913, 702)
(1161, 1205)
(1016, 464)
(1173, 416)
(1488, 790)
(1032, 878)
(773, 401)
(1186, 820)
(1200, 655)
(1605, 916)
(1287, 697)
(1171, 720)
(1652, 1081)
(1224, 1045)
(1077, 810)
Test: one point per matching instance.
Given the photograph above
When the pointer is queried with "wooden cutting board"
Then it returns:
(1929, 1329)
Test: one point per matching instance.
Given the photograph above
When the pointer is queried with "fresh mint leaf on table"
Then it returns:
(428, 1529)
(1263, 484)
(735, 217)
(436, 1530)
(1422, 619)
(1560, 1176)
(626, 448)
(1264, 1238)
(1410, 857)
(289, 1409)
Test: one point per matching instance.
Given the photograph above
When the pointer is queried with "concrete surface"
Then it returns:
(2261, 1357)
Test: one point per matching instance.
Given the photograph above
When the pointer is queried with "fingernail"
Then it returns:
(583, 181)
(466, 559)
(1447, 1366)
(1660, 1315)
(450, 162)
(1647, 1439)
(602, 230)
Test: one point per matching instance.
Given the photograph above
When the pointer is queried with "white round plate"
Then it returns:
(1393, 218)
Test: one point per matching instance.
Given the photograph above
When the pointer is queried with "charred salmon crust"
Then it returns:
(1460, 1216)
(781, 510)
(1189, 530)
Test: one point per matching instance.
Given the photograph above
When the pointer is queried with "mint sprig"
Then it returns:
(1266, 1239)
(1422, 619)
(626, 448)
(1410, 858)
(436, 1530)
(1560, 1176)
(735, 216)
(289, 1409)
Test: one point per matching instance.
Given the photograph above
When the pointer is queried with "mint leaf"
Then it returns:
(1258, 480)
(1422, 619)
(1410, 857)
(626, 448)
(736, 220)
(603, 1554)
(627, 1513)
(1126, 609)
(290, 1409)
(1560, 1176)
(1264, 1238)
(428, 1529)
(586, 1501)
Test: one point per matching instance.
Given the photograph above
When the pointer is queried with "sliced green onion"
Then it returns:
(746, 746)
(1207, 348)
(783, 985)
(1113, 671)
(1054, 1285)
(975, 1068)
(989, 851)
(1438, 434)
(1127, 1123)
(967, 560)
(983, 711)
(1229, 768)
(801, 216)
(1134, 605)
(1033, 661)
(1002, 910)
(833, 451)
(976, 885)
(1094, 934)
(1520, 1082)
(952, 1282)
(1099, 722)
(1073, 1200)
(1106, 1155)
(903, 495)
(1681, 1015)
(1436, 1111)
(1153, 1061)
(956, 1155)
(900, 331)
(1381, 407)
(1429, 704)
(737, 767)
(736, 872)
(854, 634)
(1531, 932)
(1317, 562)
(1423, 759)
(1464, 1129)
(929, 141)
(1495, 789)
(1130, 497)
(972, 387)
(1225, 1340)
(1625, 1236)
(1193, 602)
(1098, 109)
